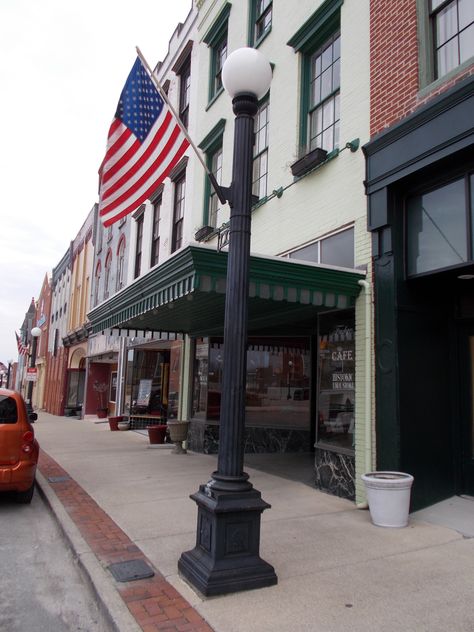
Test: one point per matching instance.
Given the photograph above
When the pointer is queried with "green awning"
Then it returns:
(186, 294)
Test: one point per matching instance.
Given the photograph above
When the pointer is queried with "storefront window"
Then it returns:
(336, 380)
(278, 382)
(153, 382)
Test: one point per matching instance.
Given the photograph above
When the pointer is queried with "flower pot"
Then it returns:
(157, 433)
(178, 433)
(309, 161)
(114, 421)
(388, 496)
(102, 413)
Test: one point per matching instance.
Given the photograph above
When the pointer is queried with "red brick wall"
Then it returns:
(55, 384)
(394, 63)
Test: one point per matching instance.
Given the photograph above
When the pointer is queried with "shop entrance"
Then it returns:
(467, 409)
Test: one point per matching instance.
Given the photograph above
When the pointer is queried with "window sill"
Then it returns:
(214, 98)
(428, 88)
(329, 447)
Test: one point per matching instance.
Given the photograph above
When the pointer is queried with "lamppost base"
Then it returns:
(226, 556)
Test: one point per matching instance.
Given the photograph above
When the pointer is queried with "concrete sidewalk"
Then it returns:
(336, 571)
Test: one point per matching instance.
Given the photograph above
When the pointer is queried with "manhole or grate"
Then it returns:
(58, 479)
(131, 570)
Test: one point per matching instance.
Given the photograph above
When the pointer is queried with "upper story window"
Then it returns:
(215, 165)
(184, 92)
(262, 11)
(138, 247)
(98, 271)
(260, 151)
(323, 106)
(211, 145)
(336, 249)
(436, 223)
(155, 237)
(453, 32)
(178, 212)
(216, 39)
(108, 267)
(119, 283)
(318, 40)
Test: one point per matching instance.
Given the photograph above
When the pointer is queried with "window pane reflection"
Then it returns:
(278, 382)
(336, 380)
(436, 226)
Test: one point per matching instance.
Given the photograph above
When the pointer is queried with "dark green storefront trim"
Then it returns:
(186, 294)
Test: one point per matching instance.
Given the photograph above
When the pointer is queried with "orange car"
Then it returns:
(19, 450)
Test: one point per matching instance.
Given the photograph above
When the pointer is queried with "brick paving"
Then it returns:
(154, 602)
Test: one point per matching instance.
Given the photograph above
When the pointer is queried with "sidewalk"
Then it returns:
(118, 499)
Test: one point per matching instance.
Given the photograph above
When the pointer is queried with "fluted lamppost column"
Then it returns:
(226, 556)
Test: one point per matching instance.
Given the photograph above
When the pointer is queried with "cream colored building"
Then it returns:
(309, 376)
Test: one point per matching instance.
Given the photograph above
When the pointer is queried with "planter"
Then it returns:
(114, 421)
(157, 433)
(308, 161)
(178, 433)
(388, 496)
(123, 425)
(102, 413)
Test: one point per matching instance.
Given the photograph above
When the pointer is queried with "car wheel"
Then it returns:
(26, 496)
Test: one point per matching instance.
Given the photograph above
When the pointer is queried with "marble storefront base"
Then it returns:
(204, 437)
(335, 473)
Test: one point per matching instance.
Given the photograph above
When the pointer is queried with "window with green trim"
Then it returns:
(178, 212)
(184, 92)
(261, 14)
(318, 41)
(216, 39)
(218, 57)
(260, 151)
(324, 99)
(453, 33)
(215, 165)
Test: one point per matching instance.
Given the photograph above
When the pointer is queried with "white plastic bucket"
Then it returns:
(388, 496)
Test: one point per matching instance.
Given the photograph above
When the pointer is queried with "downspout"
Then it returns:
(367, 387)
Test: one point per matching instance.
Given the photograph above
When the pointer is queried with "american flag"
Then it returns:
(145, 142)
(22, 350)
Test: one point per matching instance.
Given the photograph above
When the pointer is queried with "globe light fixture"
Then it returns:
(35, 334)
(246, 71)
(226, 556)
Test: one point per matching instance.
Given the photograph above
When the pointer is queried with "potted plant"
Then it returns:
(178, 433)
(100, 388)
(308, 160)
(388, 497)
(157, 433)
(114, 422)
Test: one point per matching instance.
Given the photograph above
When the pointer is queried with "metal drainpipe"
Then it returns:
(368, 374)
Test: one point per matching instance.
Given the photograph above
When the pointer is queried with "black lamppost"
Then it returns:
(35, 334)
(10, 364)
(226, 556)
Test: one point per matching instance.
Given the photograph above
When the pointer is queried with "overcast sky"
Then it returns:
(63, 64)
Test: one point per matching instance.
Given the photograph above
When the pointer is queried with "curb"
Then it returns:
(109, 600)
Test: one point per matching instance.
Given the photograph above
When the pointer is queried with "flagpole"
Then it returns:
(218, 189)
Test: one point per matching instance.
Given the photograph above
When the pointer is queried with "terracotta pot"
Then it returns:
(157, 433)
(102, 413)
(113, 422)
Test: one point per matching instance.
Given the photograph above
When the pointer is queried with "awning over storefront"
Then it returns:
(186, 294)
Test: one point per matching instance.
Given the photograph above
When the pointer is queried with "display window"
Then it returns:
(336, 380)
(153, 382)
(277, 382)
